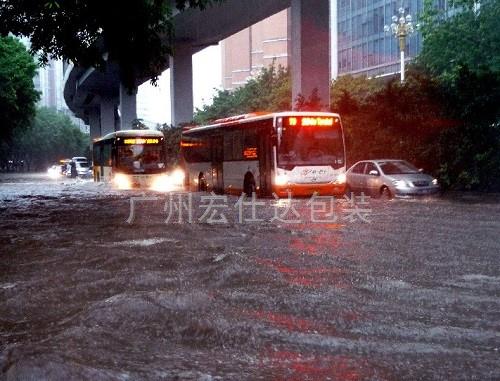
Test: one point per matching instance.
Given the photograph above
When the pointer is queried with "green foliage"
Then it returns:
(348, 92)
(138, 124)
(390, 120)
(51, 137)
(269, 91)
(470, 152)
(172, 140)
(462, 50)
(465, 37)
(17, 92)
(311, 103)
(138, 35)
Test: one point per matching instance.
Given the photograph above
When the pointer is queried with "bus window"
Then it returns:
(228, 146)
(196, 149)
(106, 154)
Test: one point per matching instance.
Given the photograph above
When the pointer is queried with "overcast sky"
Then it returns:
(153, 103)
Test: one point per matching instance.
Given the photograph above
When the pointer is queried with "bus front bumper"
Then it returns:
(303, 190)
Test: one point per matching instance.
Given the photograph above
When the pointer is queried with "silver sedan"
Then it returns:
(389, 178)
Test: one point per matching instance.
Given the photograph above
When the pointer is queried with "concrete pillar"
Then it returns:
(334, 40)
(310, 40)
(108, 106)
(128, 107)
(181, 85)
(95, 123)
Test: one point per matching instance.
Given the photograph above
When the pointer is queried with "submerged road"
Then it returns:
(244, 290)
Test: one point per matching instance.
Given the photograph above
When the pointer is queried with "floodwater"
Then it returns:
(244, 290)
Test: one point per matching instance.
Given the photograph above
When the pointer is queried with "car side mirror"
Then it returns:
(373, 172)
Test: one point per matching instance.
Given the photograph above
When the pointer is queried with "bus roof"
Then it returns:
(246, 118)
(130, 133)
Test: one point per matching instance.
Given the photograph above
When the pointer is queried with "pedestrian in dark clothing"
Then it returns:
(73, 170)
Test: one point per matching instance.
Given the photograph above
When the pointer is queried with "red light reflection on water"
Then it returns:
(311, 276)
(290, 322)
(295, 366)
(320, 240)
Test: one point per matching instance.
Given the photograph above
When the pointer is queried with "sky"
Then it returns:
(153, 103)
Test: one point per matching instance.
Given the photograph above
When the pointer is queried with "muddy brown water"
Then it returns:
(399, 290)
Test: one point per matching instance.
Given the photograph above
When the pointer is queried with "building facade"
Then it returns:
(360, 44)
(49, 81)
(248, 51)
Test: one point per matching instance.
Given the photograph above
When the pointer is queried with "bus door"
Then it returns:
(265, 163)
(217, 144)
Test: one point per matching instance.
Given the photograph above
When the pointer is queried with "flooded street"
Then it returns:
(398, 290)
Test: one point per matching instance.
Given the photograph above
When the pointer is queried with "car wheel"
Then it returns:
(385, 193)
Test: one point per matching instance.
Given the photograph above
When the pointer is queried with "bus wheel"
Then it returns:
(249, 184)
(202, 184)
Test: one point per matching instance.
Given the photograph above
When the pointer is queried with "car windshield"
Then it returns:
(397, 167)
(311, 146)
(83, 164)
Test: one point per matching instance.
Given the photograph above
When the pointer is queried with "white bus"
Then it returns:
(132, 159)
(297, 152)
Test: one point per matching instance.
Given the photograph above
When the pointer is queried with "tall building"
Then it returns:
(362, 46)
(49, 81)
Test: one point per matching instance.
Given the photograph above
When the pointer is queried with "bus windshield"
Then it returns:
(310, 145)
(140, 158)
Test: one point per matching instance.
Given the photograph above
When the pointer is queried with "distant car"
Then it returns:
(389, 178)
(79, 158)
(82, 166)
(83, 169)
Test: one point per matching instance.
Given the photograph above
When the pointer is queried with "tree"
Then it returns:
(462, 49)
(138, 124)
(269, 91)
(465, 35)
(51, 137)
(137, 35)
(173, 142)
(391, 119)
(17, 91)
(348, 93)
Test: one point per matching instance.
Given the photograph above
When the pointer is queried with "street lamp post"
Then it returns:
(401, 27)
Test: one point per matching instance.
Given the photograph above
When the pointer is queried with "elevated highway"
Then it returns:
(99, 98)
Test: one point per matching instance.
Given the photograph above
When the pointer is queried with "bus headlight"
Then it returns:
(122, 181)
(162, 183)
(281, 179)
(341, 178)
(177, 177)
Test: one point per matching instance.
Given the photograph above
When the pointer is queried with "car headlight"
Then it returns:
(435, 182)
(122, 181)
(400, 183)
